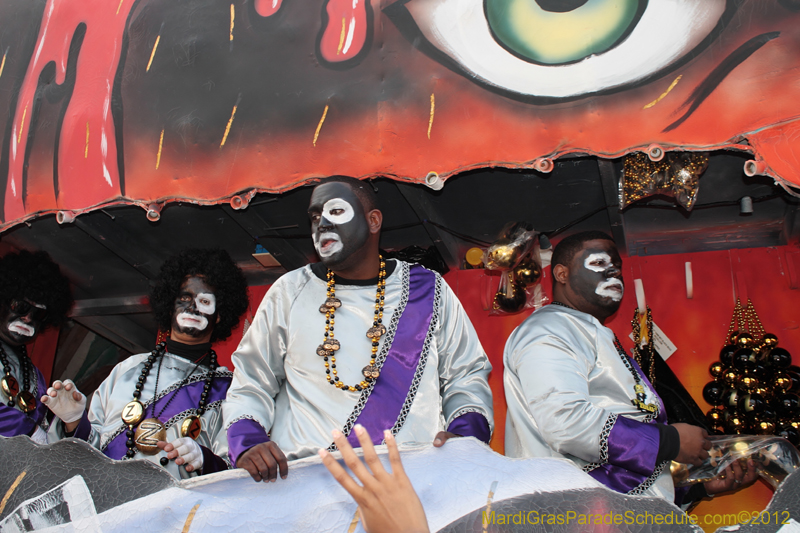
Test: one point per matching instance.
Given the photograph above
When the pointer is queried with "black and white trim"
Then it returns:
(388, 339)
(604, 434)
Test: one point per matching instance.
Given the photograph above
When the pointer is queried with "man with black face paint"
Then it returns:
(164, 406)
(573, 393)
(353, 342)
(34, 295)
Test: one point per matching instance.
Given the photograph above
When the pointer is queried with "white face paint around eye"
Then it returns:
(206, 303)
(21, 328)
(327, 243)
(337, 204)
(187, 320)
(597, 262)
(611, 288)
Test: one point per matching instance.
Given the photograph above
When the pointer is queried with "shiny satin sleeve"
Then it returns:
(554, 378)
(463, 365)
(554, 381)
(259, 368)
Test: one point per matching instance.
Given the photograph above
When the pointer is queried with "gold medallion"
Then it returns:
(133, 413)
(371, 371)
(376, 332)
(331, 344)
(147, 435)
(322, 352)
(26, 401)
(191, 427)
(10, 386)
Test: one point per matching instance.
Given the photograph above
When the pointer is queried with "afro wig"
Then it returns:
(34, 276)
(218, 270)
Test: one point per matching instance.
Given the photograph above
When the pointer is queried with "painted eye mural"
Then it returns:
(152, 101)
(564, 49)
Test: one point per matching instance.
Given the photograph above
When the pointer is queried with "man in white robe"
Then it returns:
(573, 393)
(428, 381)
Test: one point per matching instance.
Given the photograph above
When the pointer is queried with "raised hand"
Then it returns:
(386, 501)
(66, 402)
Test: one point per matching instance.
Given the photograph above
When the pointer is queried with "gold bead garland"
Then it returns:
(327, 350)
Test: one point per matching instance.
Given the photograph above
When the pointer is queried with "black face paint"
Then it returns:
(339, 226)
(20, 321)
(596, 275)
(195, 311)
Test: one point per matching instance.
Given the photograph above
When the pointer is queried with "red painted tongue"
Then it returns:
(346, 31)
(267, 8)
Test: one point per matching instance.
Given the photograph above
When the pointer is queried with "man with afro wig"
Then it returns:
(165, 406)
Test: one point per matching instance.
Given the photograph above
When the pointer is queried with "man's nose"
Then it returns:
(325, 223)
(614, 271)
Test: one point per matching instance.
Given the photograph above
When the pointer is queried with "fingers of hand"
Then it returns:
(277, 454)
(440, 439)
(394, 454)
(340, 475)
(57, 384)
(253, 463)
(350, 458)
(370, 457)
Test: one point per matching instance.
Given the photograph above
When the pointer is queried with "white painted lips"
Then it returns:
(21, 328)
(328, 244)
(187, 320)
(611, 288)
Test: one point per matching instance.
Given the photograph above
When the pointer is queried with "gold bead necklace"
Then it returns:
(327, 350)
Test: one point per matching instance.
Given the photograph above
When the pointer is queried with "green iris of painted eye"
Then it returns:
(551, 37)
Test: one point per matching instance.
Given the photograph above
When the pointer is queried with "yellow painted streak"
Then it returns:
(22, 125)
(341, 37)
(119, 6)
(319, 126)
(160, 144)
(665, 93)
(86, 151)
(228, 127)
(3, 64)
(488, 508)
(189, 519)
(233, 16)
(11, 490)
(353, 524)
(430, 120)
(153, 53)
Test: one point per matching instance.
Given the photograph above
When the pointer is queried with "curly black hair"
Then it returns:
(34, 276)
(218, 270)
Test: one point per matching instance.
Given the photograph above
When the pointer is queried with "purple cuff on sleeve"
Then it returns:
(633, 445)
(471, 425)
(211, 462)
(84, 428)
(243, 435)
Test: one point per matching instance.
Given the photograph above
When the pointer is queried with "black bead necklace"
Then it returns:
(133, 413)
(638, 388)
(10, 386)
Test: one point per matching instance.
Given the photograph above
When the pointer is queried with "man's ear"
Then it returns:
(375, 220)
(560, 273)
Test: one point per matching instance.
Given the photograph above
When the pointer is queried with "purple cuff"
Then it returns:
(243, 435)
(211, 462)
(633, 445)
(471, 425)
(84, 428)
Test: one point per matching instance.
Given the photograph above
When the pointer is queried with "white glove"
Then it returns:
(39, 436)
(60, 398)
(189, 451)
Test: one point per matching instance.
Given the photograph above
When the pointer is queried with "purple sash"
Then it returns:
(187, 397)
(14, 422)
(393, 388)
